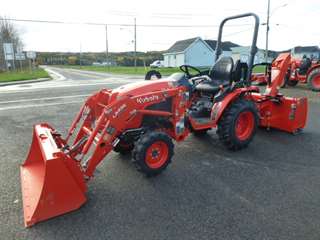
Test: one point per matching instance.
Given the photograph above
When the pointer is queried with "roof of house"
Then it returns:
(226, 46)
(181, 45)
(311, 49)
(271, 53)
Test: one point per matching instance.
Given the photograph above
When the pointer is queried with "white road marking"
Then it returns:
(11, 90)
(40, 99)
(53, 74)
(89, 75)
(101, 74)
(37, 105)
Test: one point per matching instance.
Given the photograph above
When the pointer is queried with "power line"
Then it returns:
(121, 24)
(235, 33)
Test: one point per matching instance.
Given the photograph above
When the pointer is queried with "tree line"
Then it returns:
(8, 34)
(89, 58)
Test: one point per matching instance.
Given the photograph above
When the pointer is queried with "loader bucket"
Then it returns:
(51, 182)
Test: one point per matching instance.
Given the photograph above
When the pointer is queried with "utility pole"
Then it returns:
(80, 55)
(107, 47)
(135, 44)
(267, 32)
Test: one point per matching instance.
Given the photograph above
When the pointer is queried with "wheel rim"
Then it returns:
(244, 125)
(157, 154)
(316, 81)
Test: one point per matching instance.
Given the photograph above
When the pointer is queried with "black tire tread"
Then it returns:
(313, 73)
(123, 150)
(227, 122)
(140, 147)
(152, 72)
(292, 83)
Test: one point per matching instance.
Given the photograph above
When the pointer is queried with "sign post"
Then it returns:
(20, 56)
(31, 55)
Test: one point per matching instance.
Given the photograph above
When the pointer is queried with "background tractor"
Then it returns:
(305, 71)
(146, 118)
(300, 70)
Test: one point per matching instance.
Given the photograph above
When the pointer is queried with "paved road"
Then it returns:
(269, 191)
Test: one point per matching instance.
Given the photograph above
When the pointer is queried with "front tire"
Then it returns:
(152, 75)
(314, 79)
(238, 124)
(200, 133)
(152, 153)
(286, 79)
(292, 83)
(123, 148)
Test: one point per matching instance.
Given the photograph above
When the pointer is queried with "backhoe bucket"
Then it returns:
(52, 183)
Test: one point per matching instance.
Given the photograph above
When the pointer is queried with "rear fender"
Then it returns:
(219, 107)
(312, 68)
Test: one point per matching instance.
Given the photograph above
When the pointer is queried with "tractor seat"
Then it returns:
(220, 74)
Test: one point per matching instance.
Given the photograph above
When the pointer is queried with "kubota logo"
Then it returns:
(143, 100)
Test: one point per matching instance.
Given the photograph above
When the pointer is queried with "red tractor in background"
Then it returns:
(300, 70)
(305, 71)
(145, 118)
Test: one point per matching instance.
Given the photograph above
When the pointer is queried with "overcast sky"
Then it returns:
(290, 25)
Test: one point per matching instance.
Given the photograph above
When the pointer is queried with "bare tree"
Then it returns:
(8, 34)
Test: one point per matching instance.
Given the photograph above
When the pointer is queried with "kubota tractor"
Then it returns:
(299, 70)
(146, 118)
(304, 71)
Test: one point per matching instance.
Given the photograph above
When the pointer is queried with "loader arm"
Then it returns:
(102, 124)
(54, 175)
(279, 70)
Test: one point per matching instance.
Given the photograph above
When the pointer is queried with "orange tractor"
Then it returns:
(145, 118)
(299, 70)
(304, 71)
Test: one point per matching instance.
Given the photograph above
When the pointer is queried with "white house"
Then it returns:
(242, 54)
(195, 52)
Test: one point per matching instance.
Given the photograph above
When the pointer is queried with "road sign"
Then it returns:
(31, 55)
(8, 51)
(20, 56)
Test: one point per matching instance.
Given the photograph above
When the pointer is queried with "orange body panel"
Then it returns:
(289, 114)
(259, 78)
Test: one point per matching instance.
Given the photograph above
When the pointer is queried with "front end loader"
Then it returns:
(144, 118)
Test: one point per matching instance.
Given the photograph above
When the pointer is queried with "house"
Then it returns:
(309, 51)
(242, 54)
(195, 52)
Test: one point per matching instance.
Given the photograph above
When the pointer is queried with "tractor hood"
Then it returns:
(139, 88)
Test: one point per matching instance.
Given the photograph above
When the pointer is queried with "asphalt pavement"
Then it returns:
(271, 190)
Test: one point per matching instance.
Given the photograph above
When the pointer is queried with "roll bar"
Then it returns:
(253, 48)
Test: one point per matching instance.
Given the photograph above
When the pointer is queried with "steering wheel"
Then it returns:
(186, 69)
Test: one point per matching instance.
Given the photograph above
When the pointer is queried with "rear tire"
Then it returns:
(152, 153)
(285, 80)
(238, 124)
(153, 75)
(314, 79)
(292, 83)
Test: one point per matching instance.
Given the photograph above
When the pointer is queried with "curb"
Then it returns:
(24, 82)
